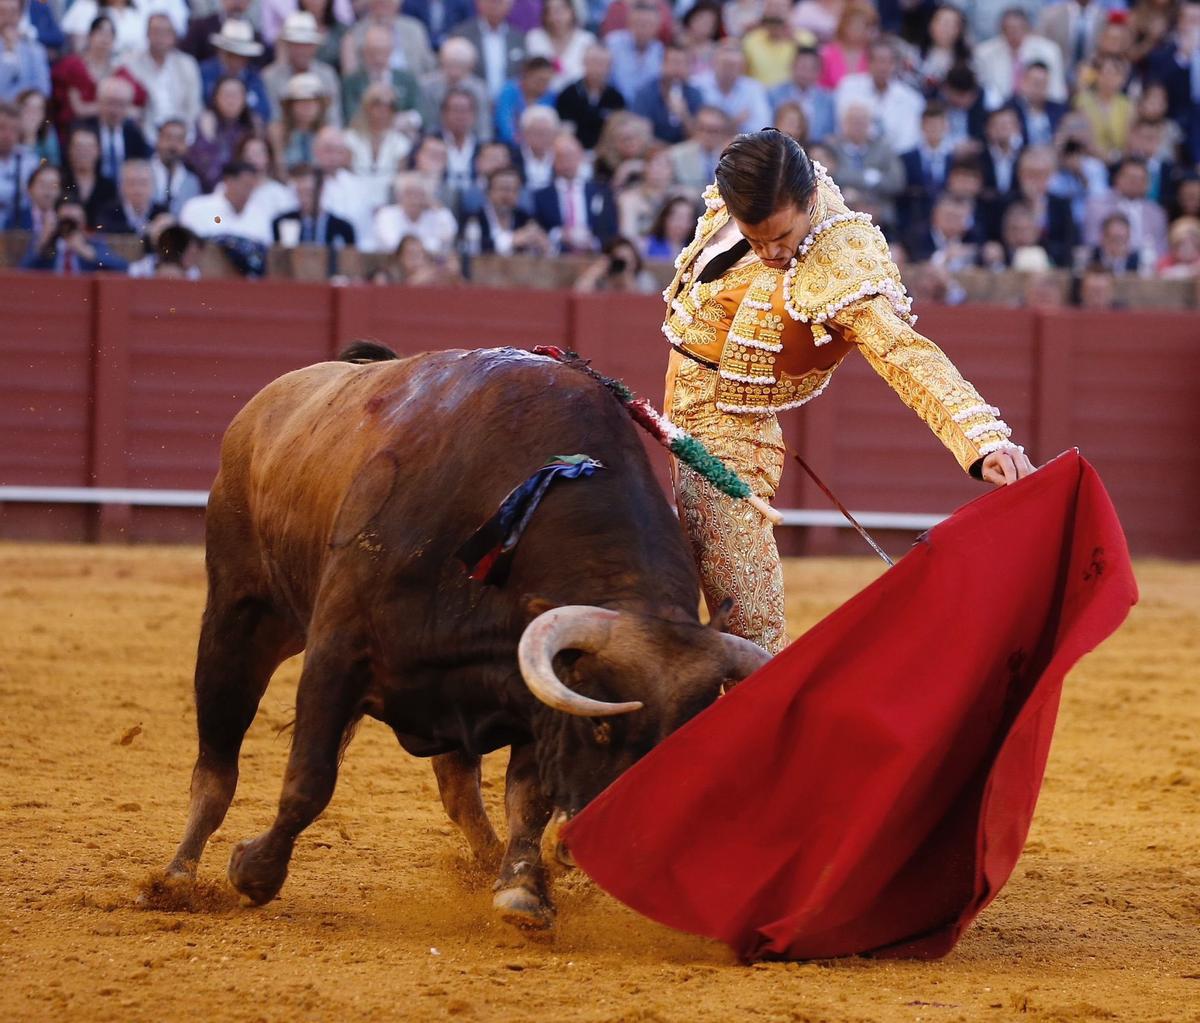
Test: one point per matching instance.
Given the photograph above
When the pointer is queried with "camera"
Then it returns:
(67, 226)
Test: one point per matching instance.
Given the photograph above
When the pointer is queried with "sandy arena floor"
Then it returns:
(382, 917)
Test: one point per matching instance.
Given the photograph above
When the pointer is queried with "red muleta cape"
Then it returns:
(870, 789)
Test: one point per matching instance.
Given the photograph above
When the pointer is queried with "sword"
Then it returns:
(844, 510)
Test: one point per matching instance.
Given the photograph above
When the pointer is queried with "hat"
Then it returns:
(305, 85)
(237, 36)
(301, 27)
(1030, 259)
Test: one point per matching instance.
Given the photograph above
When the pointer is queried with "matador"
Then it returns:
(780, 282)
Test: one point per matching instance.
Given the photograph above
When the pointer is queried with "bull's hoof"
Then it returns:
(254, 872)
(522, 908)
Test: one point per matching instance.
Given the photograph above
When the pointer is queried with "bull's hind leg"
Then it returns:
(458, 778)
(242, 642)
(522, 895)
(328, 702)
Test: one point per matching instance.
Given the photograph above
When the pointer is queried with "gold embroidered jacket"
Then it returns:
(776, 337)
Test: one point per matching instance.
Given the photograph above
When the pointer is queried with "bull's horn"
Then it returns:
(742, 657)
(574, 627)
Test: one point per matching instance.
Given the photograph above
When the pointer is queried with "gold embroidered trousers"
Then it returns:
(733, 544)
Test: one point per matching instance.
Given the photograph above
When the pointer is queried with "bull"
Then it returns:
(343, 492)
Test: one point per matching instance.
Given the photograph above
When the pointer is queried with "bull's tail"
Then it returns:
(366, 351)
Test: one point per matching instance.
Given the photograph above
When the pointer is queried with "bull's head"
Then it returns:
(633, 679)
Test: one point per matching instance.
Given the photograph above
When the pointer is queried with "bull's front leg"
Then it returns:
(458, 781)
(522, 895)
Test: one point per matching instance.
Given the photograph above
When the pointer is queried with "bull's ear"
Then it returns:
(535, 606)
(719, 621)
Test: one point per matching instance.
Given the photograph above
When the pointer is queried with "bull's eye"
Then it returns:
(602, 733)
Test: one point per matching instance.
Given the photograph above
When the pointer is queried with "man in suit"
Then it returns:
(377, 47)
(501, 47)
(500, 226)
(43, 190)
(462, 144)
(1002, 146)
(999, 61)
(174, 182)
(1037, 114)
(308, 224)
(869, 173)
(587, 102)
(966, 110)
(439, 16)
(1073, 26)
(1115, 253)
(694, 162)
(1057, 231)
(945, 237)
(1176, 64)
(17, 163)
(578, 214)
(120, 136)
(637, 51)
(1147, 221)
(1145, 142)
(925, 169)
(136, 209)
(670, 101)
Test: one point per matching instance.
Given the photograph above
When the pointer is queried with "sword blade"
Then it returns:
(844, 510)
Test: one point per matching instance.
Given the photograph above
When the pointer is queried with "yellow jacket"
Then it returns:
(776, 337)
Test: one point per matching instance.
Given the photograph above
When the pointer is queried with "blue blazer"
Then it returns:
(454, 13)
(601, 209)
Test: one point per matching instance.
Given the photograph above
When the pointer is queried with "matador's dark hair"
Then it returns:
(763, 171)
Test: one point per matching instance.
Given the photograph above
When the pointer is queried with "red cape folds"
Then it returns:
(870, 789)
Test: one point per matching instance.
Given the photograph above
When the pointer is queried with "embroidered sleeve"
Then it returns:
(924, 378)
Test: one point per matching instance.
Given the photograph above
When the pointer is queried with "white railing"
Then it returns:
(151, 498)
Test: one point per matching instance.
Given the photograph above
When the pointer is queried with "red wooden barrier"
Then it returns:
(113, 382)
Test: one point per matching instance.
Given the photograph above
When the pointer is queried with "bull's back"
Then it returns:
(438, 438)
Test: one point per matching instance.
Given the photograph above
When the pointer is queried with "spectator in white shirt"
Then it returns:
(171, 77)
(415, 212)
(128, 19)
(343, 192)
(377, 149)
(999, 61)
(539, 128)
(896, 107)
(228, 210)
(729, 89)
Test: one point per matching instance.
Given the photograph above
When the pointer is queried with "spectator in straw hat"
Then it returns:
(201, 29)
(234, 48)
(297, 54)
(302, 112)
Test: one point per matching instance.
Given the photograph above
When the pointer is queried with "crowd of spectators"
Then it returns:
(992, 134)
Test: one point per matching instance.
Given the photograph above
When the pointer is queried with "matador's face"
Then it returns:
(775, 240)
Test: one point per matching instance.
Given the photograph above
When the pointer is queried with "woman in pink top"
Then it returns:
(847, 54)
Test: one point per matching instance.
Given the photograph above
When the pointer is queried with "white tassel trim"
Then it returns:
(755, 304)
(750, 342)
(975, 410)
(1000, 445)
(983, 429)
(741, 379)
